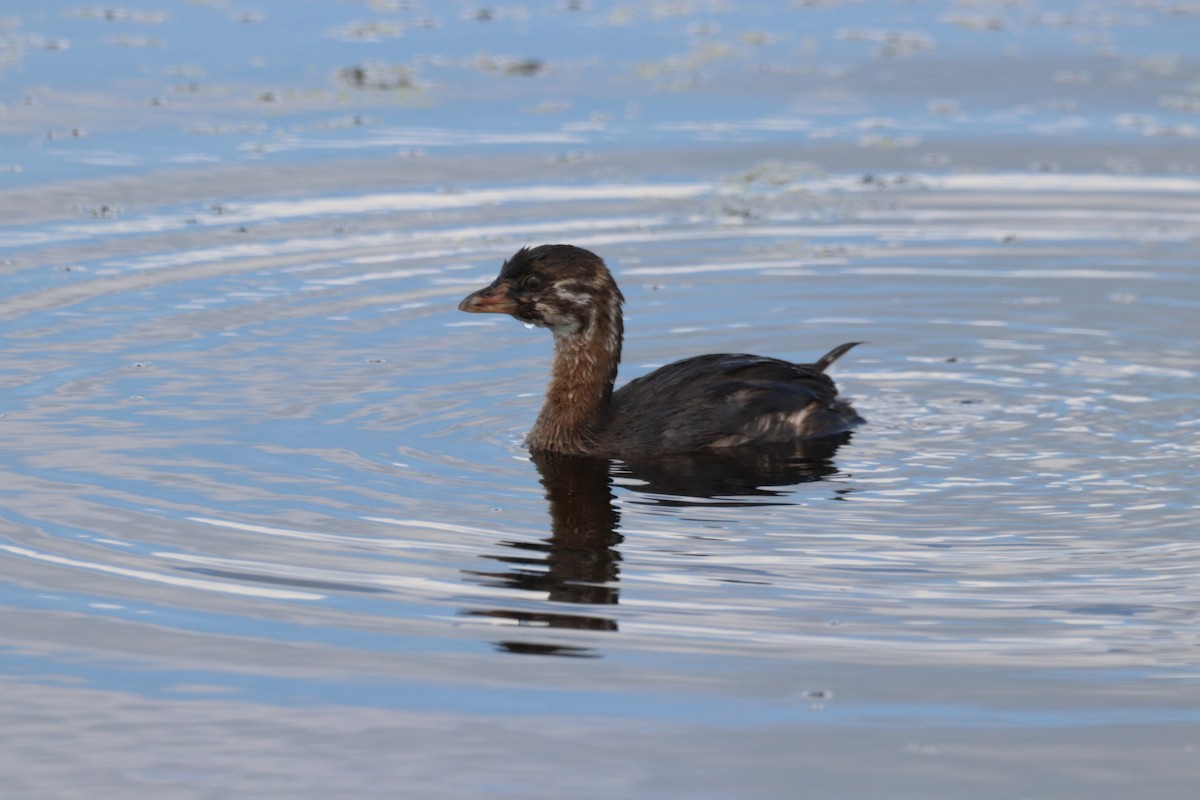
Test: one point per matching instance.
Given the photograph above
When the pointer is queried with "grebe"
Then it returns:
(701, 403)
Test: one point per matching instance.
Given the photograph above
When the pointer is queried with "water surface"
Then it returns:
(268, 527)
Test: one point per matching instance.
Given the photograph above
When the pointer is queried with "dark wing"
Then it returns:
(723, 399)
(699, 377)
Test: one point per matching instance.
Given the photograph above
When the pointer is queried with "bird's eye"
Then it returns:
(531, 283)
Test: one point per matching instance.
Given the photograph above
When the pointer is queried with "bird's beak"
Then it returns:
(499, 298)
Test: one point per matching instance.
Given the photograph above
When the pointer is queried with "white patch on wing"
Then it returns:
(769, 428)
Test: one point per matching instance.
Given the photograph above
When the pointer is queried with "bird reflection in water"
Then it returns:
(578, 563)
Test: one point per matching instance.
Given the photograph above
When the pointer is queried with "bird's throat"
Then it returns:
(579, 394)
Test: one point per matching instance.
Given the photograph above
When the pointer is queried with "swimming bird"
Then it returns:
(702, 403)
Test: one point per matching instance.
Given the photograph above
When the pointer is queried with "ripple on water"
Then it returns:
(271, 413)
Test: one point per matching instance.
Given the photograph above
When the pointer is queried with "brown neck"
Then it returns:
(581, 384)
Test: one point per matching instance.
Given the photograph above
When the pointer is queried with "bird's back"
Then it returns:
(727, 400)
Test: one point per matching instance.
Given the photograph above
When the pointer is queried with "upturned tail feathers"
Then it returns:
(826, 361)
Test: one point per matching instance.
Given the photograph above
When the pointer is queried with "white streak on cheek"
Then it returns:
(614, 324)
(580, 299)
(560, 324)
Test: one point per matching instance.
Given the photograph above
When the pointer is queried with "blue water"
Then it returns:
(267, 527)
